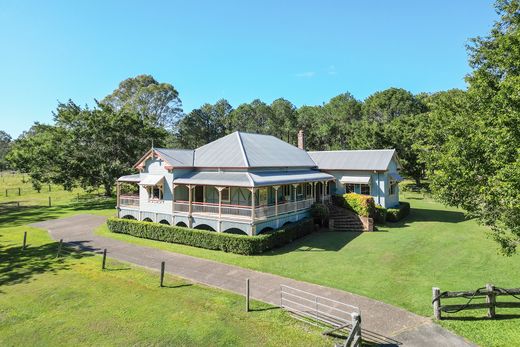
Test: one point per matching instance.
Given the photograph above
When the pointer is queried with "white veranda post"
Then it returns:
(253, 190)
(276, 199)
(220, 189)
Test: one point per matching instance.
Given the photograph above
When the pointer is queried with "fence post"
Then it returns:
(356, 322)
(49, 201)
(49, 187)
(104, 259)
(59, 248)
(24, 240)
(19, 191)
(247, 294)
(6, 192)
(491, 300)
(436, 300)
(163, 264)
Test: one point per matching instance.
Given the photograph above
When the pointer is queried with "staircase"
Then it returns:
(341, 219)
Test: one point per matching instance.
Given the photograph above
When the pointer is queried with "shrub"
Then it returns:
(240, 244)
(363, 205)
(396, 214)
(320, 211)
(380, 214)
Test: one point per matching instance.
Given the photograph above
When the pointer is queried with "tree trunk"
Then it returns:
(108, 189)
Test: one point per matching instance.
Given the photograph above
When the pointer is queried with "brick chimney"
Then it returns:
(301, 140)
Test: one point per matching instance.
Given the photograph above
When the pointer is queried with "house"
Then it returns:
(248, 183)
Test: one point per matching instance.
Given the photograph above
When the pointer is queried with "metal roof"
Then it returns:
(235, 179)
(151, 180)
(252, 179)
(365, 160)
(177, 157)
(245, 150)
(130, 178)
(355, 179)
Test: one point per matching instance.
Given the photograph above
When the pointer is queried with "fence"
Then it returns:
(321, 311)
(489, 292)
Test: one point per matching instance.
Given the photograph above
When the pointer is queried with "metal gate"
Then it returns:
(315, 309)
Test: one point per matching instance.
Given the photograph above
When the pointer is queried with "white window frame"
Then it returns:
(228, 189)
(369, 189)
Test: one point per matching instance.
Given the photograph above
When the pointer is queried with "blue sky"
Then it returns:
(304, 51)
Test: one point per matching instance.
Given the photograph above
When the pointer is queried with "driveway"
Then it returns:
(382, 323)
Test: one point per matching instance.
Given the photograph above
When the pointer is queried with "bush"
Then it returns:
(239, 244)
(396, 214)
(363, 205)
(380, 214)
(320, 212)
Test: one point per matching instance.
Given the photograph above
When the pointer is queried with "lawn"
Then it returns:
(46, 301)
(398, 264)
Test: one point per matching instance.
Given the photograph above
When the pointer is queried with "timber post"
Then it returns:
(247, 294)
(103, 264)
(163, 265)
(491, 300)
(436, 300)
(24, 240)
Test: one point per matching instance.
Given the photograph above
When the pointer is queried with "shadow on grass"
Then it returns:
(22, 215)
(317, 242)
(481, 318)
(19, 266)
(177, 286)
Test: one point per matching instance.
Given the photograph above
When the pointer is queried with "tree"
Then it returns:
(151, 100)
(477, 164)
(338, 115)
(203, 125)
(390, 103)
(283, 121)
(251, 118)
(5, 144)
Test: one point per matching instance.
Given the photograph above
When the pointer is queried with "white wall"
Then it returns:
(156, 167)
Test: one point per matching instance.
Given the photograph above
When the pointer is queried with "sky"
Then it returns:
(304, 51)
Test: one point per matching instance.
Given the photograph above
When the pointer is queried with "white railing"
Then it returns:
(129, 200)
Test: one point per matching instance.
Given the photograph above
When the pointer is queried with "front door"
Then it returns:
(319, 191)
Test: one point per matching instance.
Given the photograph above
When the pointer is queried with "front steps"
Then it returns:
(341, 219)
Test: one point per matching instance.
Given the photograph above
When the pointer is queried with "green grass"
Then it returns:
(46, 301)
(399, 264)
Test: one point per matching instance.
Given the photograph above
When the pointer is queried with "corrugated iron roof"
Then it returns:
(252, 179)
(367, 160)
(130, 178)
(177, 157)
(245, 150)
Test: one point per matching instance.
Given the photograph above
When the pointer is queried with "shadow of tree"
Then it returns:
(317, 242)
(18, 266)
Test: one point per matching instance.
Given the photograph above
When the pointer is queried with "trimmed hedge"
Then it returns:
(239, 244)
(363, 205)
(380, 214)
(396, 214)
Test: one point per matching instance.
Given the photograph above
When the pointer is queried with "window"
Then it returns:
(350, 188)
(393, 187)
(225, 194)
(287, 192)
(262, 196)
(364, 189)
(309, 189)
(155, 192)
(299, 191)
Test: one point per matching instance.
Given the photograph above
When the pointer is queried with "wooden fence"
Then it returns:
(489, 292)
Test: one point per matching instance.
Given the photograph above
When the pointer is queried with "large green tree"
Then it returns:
(253, 117)
(477, 164)
(203, 125)
(5, 144)
(388, 104)
(146, 97)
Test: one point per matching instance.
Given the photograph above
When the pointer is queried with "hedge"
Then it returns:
(380, 214)
(363, 205)
(239, 244)
(396, 214)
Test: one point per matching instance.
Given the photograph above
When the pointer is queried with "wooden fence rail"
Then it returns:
(489, 292)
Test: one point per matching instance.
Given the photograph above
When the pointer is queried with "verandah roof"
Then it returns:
(130, 178)
(252, 179)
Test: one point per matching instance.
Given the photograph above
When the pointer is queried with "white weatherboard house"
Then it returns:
(251, 183)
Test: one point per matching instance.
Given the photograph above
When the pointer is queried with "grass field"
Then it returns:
(46, 301)
(399, 264)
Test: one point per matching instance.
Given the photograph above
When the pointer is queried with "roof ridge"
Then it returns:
(242, 149)
(354, 150)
